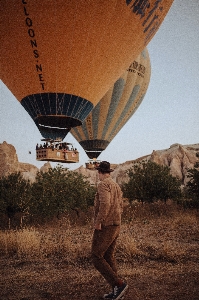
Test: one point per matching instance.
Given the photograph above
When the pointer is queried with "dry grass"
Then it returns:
(32, 243)
(157, 253)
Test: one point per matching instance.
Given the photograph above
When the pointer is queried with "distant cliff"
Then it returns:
(9, 163)
(178, 157)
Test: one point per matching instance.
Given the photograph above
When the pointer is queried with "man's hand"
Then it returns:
(98, 226)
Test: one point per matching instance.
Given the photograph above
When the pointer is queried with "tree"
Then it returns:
(192, 187)
(47, 192)
(149, 181)
(60, 190)
(80, 193)
(15, 195)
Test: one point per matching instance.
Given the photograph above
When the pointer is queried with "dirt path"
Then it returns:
(58, 280)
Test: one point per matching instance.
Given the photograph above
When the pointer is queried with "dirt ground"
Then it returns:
(56, 280)
(158, 258)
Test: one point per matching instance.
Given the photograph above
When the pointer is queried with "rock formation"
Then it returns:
(9, 163)
(178, 157)
(45, 167)
(8, 159)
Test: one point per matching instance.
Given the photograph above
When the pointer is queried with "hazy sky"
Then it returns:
(168, 114)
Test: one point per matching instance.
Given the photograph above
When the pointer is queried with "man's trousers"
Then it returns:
(103, 252)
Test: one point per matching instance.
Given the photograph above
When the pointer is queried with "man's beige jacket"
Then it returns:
(108, 203)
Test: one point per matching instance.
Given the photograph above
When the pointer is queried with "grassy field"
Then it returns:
(157, 253)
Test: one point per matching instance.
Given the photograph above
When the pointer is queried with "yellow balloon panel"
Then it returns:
(115, 108)
(60, 57)
(52, 45)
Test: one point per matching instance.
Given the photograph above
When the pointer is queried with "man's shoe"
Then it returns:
(108, 296)
(119, 291)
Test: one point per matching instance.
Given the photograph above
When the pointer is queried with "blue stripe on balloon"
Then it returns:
(116, 95)
(95, 120)
(84, 128)
(125, 110)
(76, 133)
(137, 105)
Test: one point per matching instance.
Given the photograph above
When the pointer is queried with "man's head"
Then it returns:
(104, 167)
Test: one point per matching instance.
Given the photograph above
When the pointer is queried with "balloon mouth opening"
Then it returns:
(57, 122)
(51, 127)
(94, 145)
(93, 154)
(93, 148)
(53, 133)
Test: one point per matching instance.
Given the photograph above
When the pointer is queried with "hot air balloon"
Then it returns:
(115, 108)
(60, 57)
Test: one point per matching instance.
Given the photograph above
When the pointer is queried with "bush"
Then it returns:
(60, 190)
(15, 195)
(193, 185)
(149, 182)
(53, 193)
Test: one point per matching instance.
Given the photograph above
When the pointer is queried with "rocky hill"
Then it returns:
(178, 157)
(9, 163)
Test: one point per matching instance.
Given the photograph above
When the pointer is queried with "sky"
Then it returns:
(168, 114)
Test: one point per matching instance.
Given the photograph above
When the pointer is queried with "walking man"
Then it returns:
(107, 222)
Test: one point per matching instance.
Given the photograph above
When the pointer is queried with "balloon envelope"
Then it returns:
(115, 108)
(60, 57)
